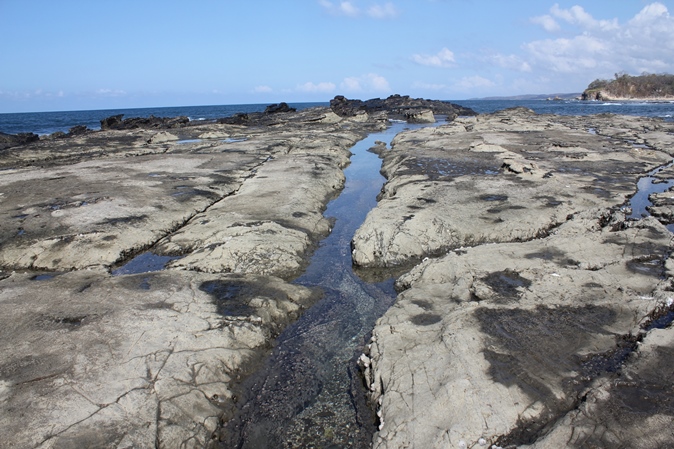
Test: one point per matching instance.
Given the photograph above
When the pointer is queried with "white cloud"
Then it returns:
(350, 9)
(568, 55)
(351, 84)
(651, 12)
(369, 82)
(469, 83)
(603, 47)
(320, 87)
(512, 62)
(594, 48)
(341, 8)
(547, 22)
(262, 89)
(378, 83)
(385, 11)
(444, 58)
(576, 15)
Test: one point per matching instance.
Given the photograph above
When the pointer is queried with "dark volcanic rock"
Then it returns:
(78, 130)
(151, 122)
(281, 107)
(257, 118)
(111, 122)
(237, 119)
(397, 105)
(15, 140)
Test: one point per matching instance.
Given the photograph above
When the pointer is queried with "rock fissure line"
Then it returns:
(176, 228)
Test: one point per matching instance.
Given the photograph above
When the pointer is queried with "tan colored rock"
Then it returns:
(214, 135)
(419, 116)
(493, 337)
(533, 289)
(92, 213)
(89, 360)
(509, 176)
(163, 137)
(152, 360)
(274, 218)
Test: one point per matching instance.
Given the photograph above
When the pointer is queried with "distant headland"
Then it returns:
(650, 87)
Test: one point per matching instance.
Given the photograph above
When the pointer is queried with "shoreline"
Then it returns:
(667, 100)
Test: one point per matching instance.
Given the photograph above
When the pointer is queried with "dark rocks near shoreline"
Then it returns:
(400, 105)
(276, 108)
(151, 122)
(15, 140)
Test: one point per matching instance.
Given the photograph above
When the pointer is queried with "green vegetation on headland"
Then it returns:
(625, 87)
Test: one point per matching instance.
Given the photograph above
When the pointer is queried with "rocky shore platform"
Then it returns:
(537, 312)
(97, 351)
(147, 268)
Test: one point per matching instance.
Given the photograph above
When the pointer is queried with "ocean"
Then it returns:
(49, 122)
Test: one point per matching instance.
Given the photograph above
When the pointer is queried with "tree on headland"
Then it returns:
(625, 86)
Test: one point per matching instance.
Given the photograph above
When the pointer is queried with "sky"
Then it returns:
(76, 55)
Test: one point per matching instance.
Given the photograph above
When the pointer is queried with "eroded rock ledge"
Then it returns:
(89, 359)
(531, 320)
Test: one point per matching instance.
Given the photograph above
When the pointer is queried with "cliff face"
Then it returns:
(626, 87)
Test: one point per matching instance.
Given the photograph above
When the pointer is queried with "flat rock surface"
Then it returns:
(90, 360)
(508, 176)
(93, 355)
(533, 318)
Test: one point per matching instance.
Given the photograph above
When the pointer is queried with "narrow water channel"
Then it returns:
(646, 186)
(309, 394)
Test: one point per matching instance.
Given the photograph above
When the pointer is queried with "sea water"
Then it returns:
(49, 122)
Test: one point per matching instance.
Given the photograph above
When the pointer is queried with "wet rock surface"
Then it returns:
(94, 355)
(527, 320)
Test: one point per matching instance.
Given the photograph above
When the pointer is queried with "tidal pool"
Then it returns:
(309, 392)
(647, 186)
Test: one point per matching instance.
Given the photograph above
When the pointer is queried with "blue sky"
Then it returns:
(70, 55)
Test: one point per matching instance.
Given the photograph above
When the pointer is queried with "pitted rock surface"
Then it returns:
(91, 359)
(529, 322)
(505, 177)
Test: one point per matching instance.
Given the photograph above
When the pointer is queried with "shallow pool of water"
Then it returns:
(144, 263)
(647, 186)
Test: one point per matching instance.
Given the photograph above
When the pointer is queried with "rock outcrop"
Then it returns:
(533, 312)
(15, 140)
(151, 122)
(276, 108)
(625, 87)
(539, 315)
(397, 106)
